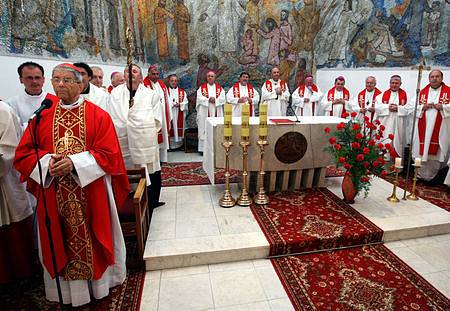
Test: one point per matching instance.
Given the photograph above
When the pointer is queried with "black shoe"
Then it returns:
(159, 204)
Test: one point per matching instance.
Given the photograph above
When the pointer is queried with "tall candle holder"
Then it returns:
(413, 195)
(261, 197)
(244, 199)
(227, 199)
(393, 198)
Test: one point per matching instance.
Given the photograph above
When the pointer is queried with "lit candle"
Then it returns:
(245, 126)
(398, 162)
(263, 120)
(227, 121)
(417, 162)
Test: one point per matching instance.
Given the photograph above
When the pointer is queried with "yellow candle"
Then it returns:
(227, 122)
(245, 126)
(398, 162)
(263, 120)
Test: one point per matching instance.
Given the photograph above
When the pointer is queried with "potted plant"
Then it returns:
(359, 147)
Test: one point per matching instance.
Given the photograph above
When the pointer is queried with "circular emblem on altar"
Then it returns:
(291, 147)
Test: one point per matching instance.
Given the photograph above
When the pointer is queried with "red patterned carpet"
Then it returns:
(192, 173)
(361, 278)
(189, 174)
(436, 195)
(29, 295)
(311, 220)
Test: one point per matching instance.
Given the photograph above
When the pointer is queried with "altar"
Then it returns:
(295, 157)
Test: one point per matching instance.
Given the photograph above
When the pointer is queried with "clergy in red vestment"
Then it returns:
(16, 237)
(431, 142)
(178, 102)
(155, 83)
(210, 101)
(306, 98)
(392, 108)
(276, 93)
(364, 103)
(337, 101)
(84, 181)
(243, 92)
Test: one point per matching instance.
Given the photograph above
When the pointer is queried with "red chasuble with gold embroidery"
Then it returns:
(80, 217)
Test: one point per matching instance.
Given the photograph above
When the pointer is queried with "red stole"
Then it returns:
(346, 96)
(110, 88)
(251, 94)
(301, 92)
(180, 120)
(79, 216)
(148, 84)
(362, 100)
(205, 93)
(270, 88)
(444, 97)
(402, 97)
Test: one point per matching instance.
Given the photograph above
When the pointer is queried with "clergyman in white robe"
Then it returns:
(178, 103)
(277, 104)
(24, 105)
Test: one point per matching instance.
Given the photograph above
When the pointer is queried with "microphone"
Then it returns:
(293, 110)
(46, 103)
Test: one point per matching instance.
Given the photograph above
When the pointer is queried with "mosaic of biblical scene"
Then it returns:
(190, 37)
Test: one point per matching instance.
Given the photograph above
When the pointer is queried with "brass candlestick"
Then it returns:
(393, 198)
(413, 195)
(244, 199)
(261, 197)
(227, 199)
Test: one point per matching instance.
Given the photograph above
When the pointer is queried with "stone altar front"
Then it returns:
(295, 157)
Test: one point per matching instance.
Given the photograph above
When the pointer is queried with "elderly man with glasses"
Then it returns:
(84, 180)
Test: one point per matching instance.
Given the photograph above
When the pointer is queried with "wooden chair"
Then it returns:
(134, 215)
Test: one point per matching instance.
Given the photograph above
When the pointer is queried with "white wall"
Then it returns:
(355, 78)
(9, 78)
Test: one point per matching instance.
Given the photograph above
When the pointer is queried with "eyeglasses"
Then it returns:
(64, 80)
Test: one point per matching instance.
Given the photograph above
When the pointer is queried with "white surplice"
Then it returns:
(394, 122)
(306, 109)
(327, 105)
(137, 127)
(176, 140)
(165, 145)
(79, 292)
(205, 108)
(97, 96)
(277, 105)
(243, 92)
(24, 105)
(431, 164)
(14, 203)
(354, 105)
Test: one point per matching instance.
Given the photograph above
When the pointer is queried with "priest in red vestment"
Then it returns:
(431, 142)
(178, 102)
(85, 182)
(337, 101)
(243, 92)
(364, 103)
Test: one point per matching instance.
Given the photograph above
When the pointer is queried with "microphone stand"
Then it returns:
(47, 218)
(293, 111)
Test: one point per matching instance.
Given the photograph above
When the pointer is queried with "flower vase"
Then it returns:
(348, 189)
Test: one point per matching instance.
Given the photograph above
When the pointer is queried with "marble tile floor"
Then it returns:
(181, 156)
(253, 284)
(192, 229)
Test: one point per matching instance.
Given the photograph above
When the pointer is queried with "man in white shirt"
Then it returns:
(137, 128)
(242, 92)
(392, 108)
(337, 101)
(179, 105)
(364, 103)
(31, 75)
(210, 101)
(432, 133)
(306, 98)
(91, 92)
(276, 92)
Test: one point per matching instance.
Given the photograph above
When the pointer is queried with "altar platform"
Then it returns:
(200, 256)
